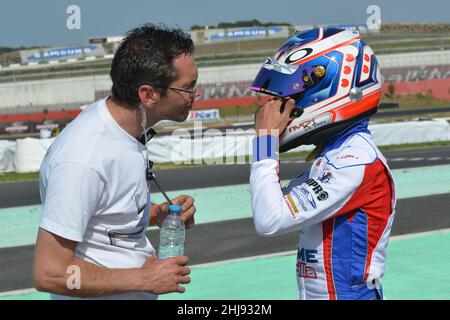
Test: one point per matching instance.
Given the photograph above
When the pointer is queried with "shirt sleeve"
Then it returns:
(305, 202)
(71, 197)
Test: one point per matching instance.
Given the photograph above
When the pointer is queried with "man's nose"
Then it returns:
(197, 92)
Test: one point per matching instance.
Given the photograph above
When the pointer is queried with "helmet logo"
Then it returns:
(311, 124)
(298, 55)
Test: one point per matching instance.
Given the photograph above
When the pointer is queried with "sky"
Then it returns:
(43, 22)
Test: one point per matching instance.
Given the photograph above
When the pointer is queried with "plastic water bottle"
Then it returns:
(172, 234)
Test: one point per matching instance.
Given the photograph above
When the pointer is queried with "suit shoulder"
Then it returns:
(356, 151)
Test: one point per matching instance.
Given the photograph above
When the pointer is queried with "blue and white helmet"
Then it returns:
(333, 76)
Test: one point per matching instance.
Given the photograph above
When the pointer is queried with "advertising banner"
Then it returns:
(48, 54)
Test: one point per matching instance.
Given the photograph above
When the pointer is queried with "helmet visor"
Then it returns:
(279, 79)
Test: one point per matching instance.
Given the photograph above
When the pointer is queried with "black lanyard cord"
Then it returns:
(151, 176)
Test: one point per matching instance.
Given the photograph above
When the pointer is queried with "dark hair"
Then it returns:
(145, 56)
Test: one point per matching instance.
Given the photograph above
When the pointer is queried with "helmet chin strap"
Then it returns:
(312, 156)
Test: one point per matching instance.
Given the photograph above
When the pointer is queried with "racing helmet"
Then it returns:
(332, 75)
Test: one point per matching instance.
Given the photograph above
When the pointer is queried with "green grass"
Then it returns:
(414, 101)
(410, 117)
(409, 44)
(13, 176)
(415, 145)
(303, 154)
(238, 110)
(382, 148)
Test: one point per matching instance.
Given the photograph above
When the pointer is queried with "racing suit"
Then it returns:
(343, 207)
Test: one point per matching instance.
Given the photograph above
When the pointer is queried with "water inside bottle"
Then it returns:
(171, 243)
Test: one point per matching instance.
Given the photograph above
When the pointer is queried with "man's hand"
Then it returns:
(269, 120)
(187, 210)
(165, 276)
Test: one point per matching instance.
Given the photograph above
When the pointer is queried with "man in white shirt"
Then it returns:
(96, 199)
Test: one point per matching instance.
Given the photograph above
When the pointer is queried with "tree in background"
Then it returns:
(241, 24)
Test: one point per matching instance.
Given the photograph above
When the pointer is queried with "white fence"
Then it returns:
(25, 155)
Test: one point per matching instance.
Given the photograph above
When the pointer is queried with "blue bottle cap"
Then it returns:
(175, 208)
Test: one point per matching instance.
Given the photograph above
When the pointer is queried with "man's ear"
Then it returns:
(148, 95)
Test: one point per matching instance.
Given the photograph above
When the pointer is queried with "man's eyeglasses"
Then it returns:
(191, 91)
